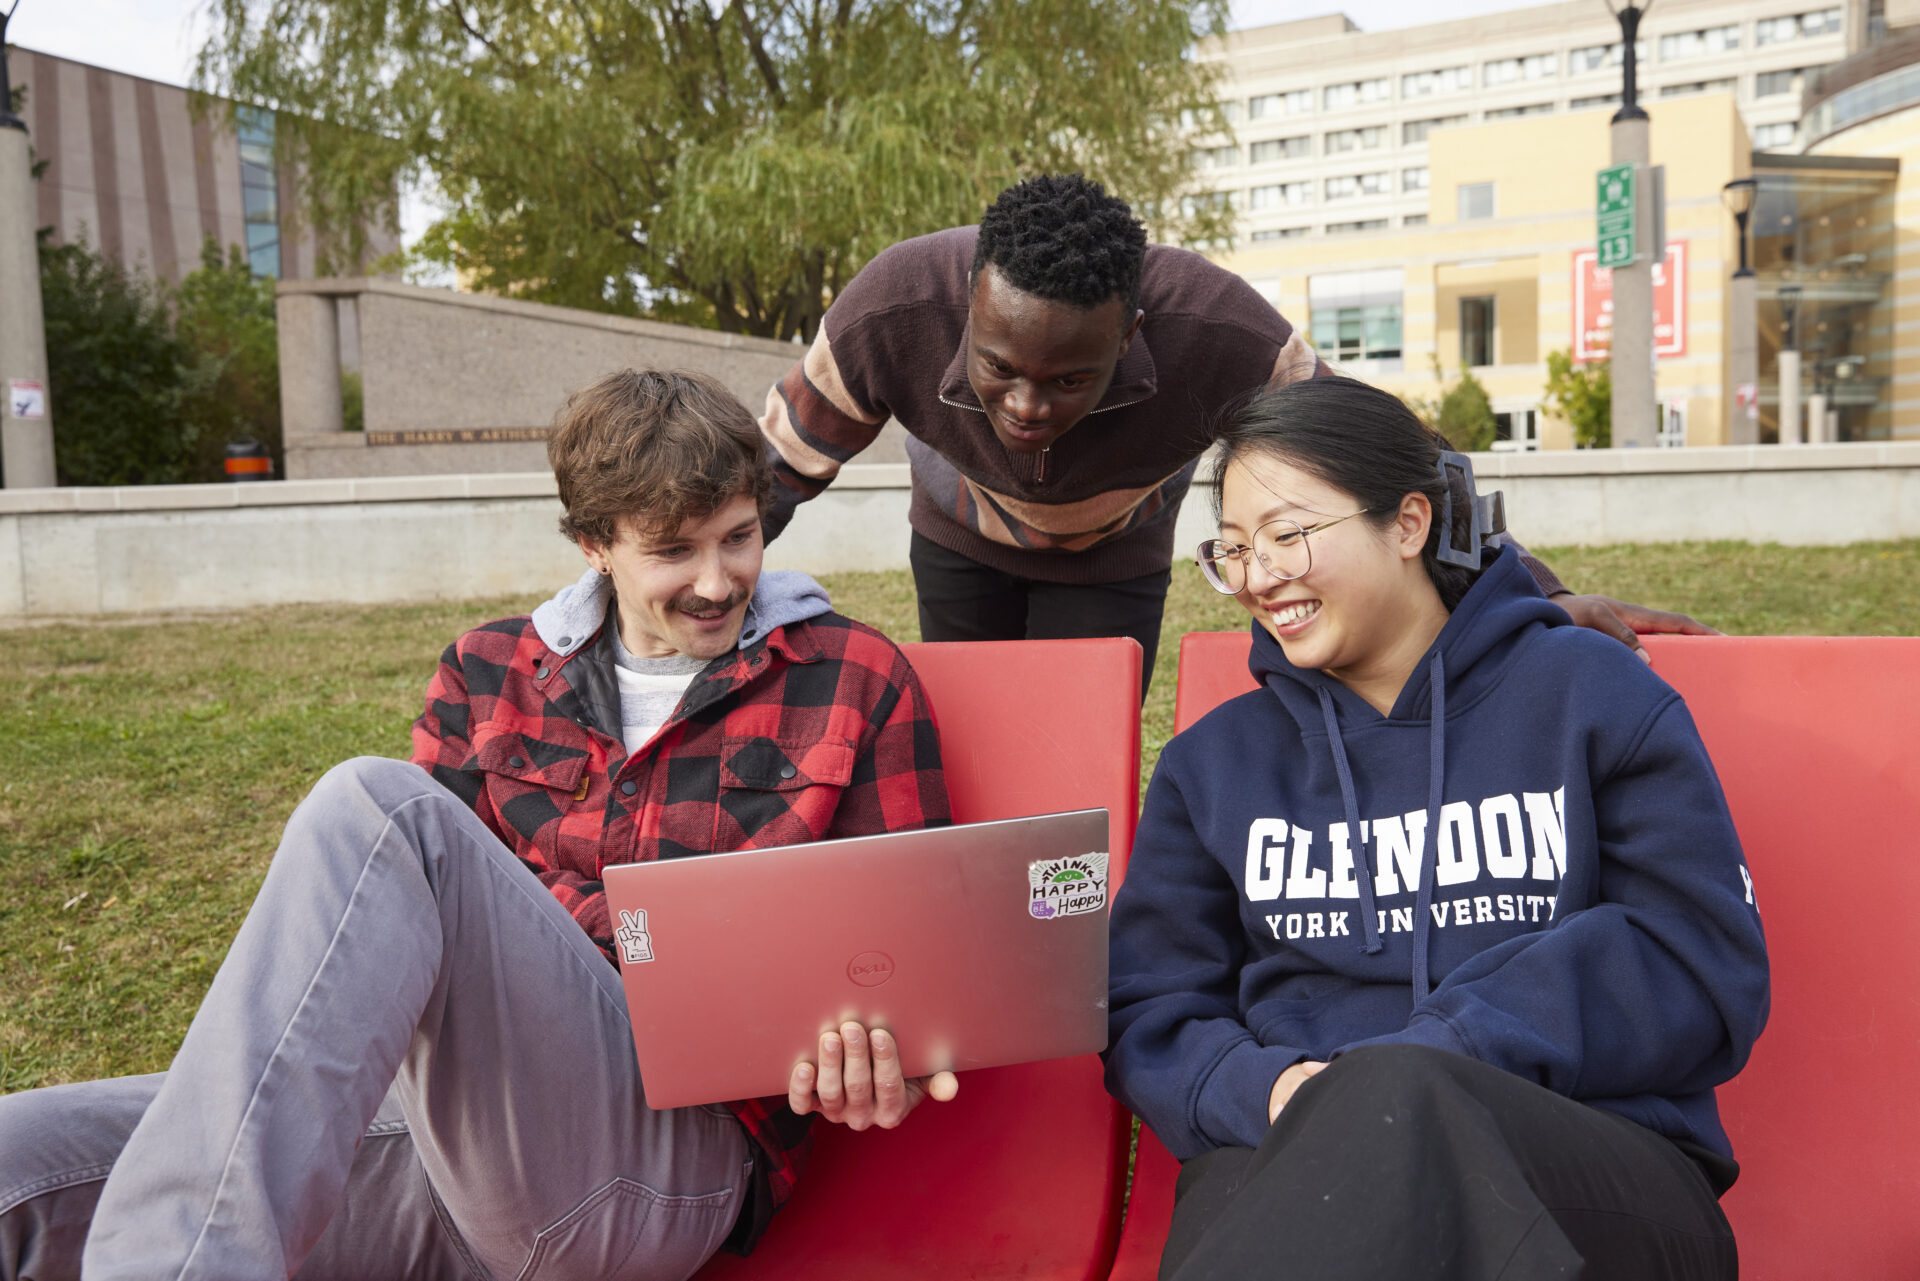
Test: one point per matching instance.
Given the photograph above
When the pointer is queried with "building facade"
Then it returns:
(1425, 198)
(133, 169)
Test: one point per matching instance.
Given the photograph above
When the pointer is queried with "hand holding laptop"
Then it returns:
(859, 1083)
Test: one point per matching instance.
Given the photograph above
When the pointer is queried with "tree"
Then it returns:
(1582, 395)
(730, 163)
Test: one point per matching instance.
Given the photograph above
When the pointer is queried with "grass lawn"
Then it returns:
(151, 764)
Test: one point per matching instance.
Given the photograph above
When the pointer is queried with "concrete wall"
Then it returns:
(436, 365)
(159, 547)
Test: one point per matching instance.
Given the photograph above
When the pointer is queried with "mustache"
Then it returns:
(693, 603)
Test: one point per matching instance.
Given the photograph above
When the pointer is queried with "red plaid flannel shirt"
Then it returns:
(820, 730)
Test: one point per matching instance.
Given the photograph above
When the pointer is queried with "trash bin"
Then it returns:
(247, 459)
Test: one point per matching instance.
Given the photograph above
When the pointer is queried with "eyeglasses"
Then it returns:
(1281, 546)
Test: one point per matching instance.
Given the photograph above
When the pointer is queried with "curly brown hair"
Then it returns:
(653, 448)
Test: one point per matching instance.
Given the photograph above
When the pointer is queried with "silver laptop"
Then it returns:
(974, 946)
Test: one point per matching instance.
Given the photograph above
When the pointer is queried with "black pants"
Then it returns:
(963, 600)
(1403, 1163)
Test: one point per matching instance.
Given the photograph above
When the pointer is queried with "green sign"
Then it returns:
(1613, 209)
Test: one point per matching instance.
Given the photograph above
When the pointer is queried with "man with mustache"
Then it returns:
(1059, 379)
(416, 1059)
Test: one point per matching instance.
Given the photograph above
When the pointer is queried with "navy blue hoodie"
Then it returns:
(1584, 920)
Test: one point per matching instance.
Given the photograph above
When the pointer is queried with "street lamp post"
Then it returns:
(1790, 365)
(1635, 420)
(1743, 324)
(26, 422)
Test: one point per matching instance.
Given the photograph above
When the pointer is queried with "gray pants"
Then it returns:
(411, 1063)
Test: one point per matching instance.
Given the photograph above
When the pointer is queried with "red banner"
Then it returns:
(1593, 304)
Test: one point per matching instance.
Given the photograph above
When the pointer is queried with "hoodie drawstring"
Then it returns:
(1359, 844)
(1429, 861)
(1436, 780)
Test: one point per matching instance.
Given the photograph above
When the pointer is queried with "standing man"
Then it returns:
(1059, 379)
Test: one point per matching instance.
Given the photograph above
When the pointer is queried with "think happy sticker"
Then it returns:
(1067, 886)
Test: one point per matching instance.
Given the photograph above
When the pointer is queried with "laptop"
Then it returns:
(974, 946)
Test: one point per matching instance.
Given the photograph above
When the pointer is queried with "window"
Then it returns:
(1229, 112)
(1599, 57)
(1597, 100)
(1414, 220)
(1517, 430)
(1769, 137)
(1415, 132)
(1268, 105)
(1265, 153)
(259, 190)
(1476, 200)
(1672, 433)
(1514, 113)
(1347, 186)
(1371, 138)
(1206, 200)
(1413, 179)
(1356, 93)
(1205, 158)
(1774, 84)
(1348, 228)
(1476, 332)
(1697, 86)
(1280, 195)
(1356, 314)
(1797, 26)
(1539, 66)
(1427, 84)
(1698, 44)
(1281, 233)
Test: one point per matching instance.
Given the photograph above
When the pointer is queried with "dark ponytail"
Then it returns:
(1360, 439)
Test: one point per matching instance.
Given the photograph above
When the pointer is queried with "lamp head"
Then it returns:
(1738, 196)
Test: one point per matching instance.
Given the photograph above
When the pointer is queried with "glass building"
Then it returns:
(1823, 255)
(259, 190)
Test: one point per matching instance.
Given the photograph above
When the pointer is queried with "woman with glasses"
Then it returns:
(1433, 949)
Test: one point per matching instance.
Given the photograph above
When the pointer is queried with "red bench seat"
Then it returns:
(1813, 738)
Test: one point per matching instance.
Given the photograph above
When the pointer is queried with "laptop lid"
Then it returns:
(975, 946)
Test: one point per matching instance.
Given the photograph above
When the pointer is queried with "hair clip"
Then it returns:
(1481, 518)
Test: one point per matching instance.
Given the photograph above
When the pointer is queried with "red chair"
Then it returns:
(1812, 738)
(1023, 1174)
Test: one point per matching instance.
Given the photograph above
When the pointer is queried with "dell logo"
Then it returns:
(870, 969)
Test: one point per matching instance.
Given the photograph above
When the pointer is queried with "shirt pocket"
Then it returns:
(776, 791)
(530, 781)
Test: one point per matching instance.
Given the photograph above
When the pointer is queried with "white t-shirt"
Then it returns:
(650, 690)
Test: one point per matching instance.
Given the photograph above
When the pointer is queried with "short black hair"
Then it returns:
(1063, 238)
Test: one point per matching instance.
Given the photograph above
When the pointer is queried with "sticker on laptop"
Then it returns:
(1067, 886)
(636, 945)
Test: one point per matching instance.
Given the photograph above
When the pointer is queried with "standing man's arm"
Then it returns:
(813, 424)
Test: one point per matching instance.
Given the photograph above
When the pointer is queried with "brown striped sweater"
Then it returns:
(1100, 505)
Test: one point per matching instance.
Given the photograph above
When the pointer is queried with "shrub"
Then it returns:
(148, 383)
(223, 316)
(1466, 415)
(116, 372)
(1462, 413)
(1582, 395)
